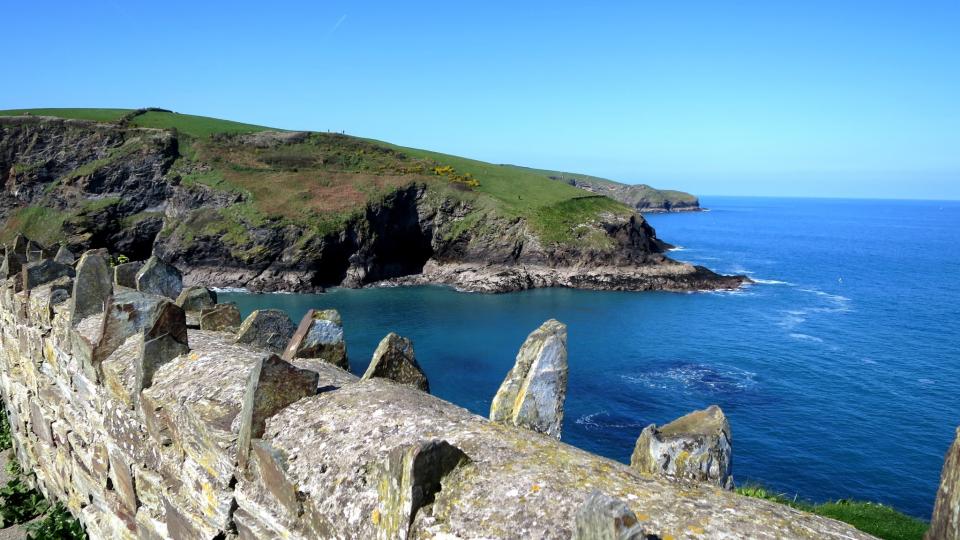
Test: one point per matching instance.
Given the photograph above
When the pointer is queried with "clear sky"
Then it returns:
(807, 98)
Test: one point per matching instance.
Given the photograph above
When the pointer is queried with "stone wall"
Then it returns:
(147, 427)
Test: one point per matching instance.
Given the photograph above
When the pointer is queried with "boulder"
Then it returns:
(269, 329)
(696, 447)
(19, 245)
(533, 393)
(64, 255)
(605, 518)
(92, 286)
(158, 277)
(196, 298)
(220, 318)
(394, 359)
(125, 275)
(44, 271)
(130, 312)
(945, 524)
(319, 335)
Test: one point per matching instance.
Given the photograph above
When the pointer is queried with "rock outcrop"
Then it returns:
(220, 318)
(604, 518)
(158, 277)
(695, 447)
(227, 440)
(534, 390)
(945, 523)
(394, 359)
(319, 336)
(269, 329)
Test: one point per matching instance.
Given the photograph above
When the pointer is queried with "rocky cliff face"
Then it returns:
(126, 189)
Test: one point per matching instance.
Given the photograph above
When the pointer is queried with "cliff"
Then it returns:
(239, 205)
(149, 428)
(640, 197)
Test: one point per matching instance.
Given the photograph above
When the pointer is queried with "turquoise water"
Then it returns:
(839, 370)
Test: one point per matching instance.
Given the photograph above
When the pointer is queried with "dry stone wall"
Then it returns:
(147, 426)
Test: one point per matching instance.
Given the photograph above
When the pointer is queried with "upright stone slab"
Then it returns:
(64, 255)
(273, 384)
(394, 359)
(130, 312)
(19, 245)
(12, 263)
(220, 318)
(125, 275)
(44, 271)
(319, 335)
(269, 329)
(696, 447)
(945, 524)
(196, 298)
(410, 479)
(604, 518)
(92, 286)
(533, 393)
(158, 277)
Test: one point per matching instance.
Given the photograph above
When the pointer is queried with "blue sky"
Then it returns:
(832, 98)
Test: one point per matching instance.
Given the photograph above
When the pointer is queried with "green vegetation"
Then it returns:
(45, 225)
(872, 518)
(194, 126)
(556, 222)
(97, 115)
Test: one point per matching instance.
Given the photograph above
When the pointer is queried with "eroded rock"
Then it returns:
(269, 329)
(394, 359)
(158, 277)
(220, 318)
(196, 298)
(605, 518)
(695, 447)
(945, 524)
(44, 271)
(319, 335)
(533, 393)
(125, 275)
(93, 285)
(64, 255)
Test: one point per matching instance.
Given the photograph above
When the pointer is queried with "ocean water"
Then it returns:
(839, 370)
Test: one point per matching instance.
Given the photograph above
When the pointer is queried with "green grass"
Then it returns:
(656, 197)
(872, 518)
(45, 225)
(98, 115)
(195, 126)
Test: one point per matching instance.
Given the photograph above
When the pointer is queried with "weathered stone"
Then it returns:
(64, 255)
(945, 524)
(220, 318)
(12, 263)
(269, 329)
(153, 354)
(533, 393)
(273, 384)
(129, 312)
(394, 359)
(125, 275)
(196, 298)
(604, 518)
(122, 477)
(45, 271)
(92, 286)
(697, 447)
(319, 335)
(409, 479)
(19, 245)
(158, 277)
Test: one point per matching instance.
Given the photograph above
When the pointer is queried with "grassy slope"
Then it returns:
(876, 519)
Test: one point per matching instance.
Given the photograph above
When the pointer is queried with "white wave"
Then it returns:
(696, 377)
(677, 248)
(230, 289)
(593, 421)
(806, 337)
(770, 281)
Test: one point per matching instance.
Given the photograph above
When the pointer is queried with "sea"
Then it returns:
(839, 369)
